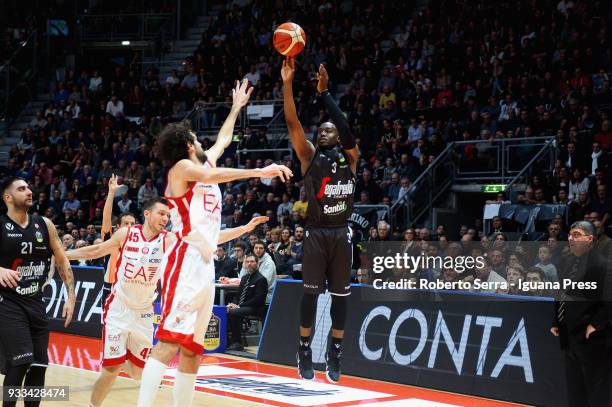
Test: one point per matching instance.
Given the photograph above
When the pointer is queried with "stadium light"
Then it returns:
(125, 43)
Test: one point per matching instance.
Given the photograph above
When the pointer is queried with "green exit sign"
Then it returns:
(494, 188)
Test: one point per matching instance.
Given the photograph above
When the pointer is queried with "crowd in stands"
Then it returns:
(409, 80)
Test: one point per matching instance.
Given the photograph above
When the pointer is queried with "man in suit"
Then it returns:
(252, 298)
(583, 320)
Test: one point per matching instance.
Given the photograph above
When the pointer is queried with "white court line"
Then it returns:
(161, 384)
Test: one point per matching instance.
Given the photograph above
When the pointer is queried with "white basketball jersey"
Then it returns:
(198, 212)
(139, 268)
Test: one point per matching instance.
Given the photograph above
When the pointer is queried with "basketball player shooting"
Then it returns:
(329, 180)
(188, 282)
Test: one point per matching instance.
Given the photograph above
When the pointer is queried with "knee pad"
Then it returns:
(338, 311)
(308, 309)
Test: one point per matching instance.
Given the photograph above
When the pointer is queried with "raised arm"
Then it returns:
(344, 131)
(232, 233)
(240, 96)
(62, 265)
(107, 213)
(99, 250)
(304, 148)
(188, 171)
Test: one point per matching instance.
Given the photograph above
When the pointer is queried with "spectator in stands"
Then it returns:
(486, 274)
(115, 106)
(579, 183)
(147, 191)
(225, 266)
(265, 265)
(71, 202)
(515, 275)
(68, 242)
(602, 204)
(544, 264)
(251, 299)
(238, 252)
(124, 204)
(363, 276)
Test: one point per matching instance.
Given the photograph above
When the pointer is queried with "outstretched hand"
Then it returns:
(288, 69)
(323, 78)
(257, 220)
(113, 186)
(275, 170)
(241, 93)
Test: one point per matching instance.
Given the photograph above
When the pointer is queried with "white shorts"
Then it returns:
(127, 333)
(188, 294)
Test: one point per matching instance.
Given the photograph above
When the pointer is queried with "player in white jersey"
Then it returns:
(188, 284)
(128, 311)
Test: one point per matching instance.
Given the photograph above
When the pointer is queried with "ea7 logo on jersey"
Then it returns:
(131, 273)
(9, 226)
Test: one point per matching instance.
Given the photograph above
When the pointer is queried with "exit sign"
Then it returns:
(494, 188)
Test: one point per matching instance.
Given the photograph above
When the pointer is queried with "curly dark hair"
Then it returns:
(173, 140)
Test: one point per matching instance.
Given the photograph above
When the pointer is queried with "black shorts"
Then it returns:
(24, 333)
(328, 256)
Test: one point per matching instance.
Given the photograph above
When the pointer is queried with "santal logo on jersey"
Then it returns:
(32, 289)
(39, 237)
(338, 190)
(335, 209)
(9, 226)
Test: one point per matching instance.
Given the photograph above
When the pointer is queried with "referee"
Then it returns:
(329, 181)
(27, 243)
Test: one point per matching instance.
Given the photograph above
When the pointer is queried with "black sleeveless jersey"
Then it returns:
(27, 251)
(330, 185)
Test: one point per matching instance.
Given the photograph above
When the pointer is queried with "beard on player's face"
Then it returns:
(22, 201)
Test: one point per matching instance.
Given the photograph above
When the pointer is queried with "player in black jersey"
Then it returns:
(329, 181)
(27, 243)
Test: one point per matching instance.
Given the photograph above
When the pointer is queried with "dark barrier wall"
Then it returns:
(482, 345)
(87, 318)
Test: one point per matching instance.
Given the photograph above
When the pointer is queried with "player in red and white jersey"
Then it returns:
(128, 311)
(188, 284)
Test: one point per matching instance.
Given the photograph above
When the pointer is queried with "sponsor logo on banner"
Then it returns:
(278, 389)
(458, 342)
(437, 334)
(212, 337)
(87, 318)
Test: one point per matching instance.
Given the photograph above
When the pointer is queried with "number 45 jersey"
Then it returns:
(139, 268)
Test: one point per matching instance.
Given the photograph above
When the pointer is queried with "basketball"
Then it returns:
(289, 39)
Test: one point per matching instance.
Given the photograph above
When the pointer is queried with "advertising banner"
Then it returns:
(477, 344)
(87, 318)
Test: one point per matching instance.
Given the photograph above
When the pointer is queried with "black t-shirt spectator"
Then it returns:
(226, 267)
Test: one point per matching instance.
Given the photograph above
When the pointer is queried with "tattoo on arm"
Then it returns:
(65, 271)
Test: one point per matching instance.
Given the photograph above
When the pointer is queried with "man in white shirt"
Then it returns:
(254, 76)
(114, 106)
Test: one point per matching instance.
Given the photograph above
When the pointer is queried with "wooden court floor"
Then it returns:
(225, 381)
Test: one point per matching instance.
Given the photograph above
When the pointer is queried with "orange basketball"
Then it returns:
(289, 39)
